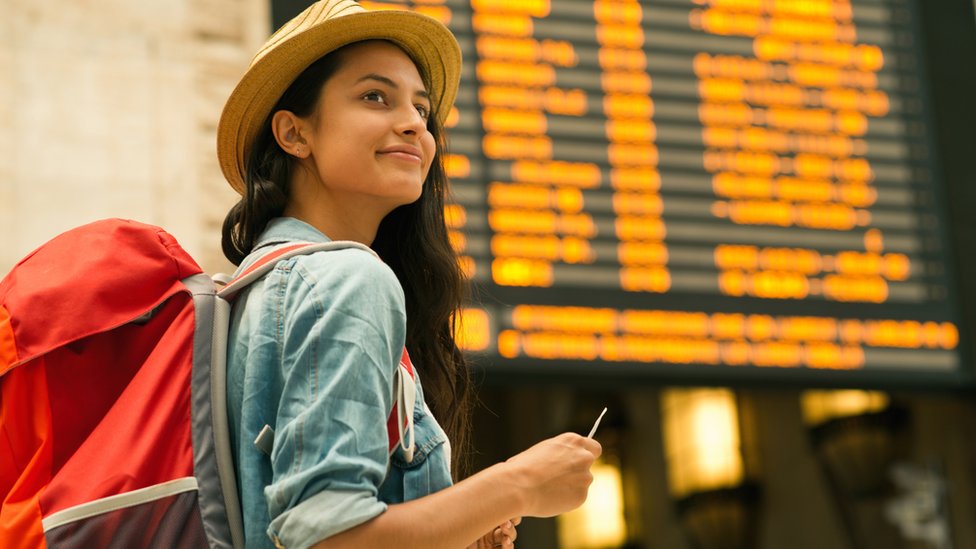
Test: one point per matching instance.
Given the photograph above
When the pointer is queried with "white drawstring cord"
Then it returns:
(406, 392)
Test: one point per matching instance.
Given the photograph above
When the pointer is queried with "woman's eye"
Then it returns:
(424, 111)
(374, 96)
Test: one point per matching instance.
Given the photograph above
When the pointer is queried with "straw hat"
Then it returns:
(326, 26)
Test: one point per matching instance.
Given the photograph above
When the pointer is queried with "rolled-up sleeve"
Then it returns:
(341, 331)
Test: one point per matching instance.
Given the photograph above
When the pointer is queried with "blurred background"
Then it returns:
(744, 226)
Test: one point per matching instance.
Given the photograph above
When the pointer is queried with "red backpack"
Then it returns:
(113, 422)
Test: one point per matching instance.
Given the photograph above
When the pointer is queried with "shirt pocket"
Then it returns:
(429, 471)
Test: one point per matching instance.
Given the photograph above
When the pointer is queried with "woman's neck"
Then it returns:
(337, 223)
(340, 216)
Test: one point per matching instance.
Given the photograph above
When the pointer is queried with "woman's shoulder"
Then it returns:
(345, 262)
(349, 271)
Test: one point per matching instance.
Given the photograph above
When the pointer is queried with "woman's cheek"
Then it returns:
(431, 149)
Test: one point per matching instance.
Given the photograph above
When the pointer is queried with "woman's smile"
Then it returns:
(404, 152)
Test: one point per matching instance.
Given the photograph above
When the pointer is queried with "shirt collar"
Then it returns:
(288, 229)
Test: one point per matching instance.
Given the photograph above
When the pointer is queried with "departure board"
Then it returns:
(669, 186)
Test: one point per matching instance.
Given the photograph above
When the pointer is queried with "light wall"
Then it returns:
(109, 109)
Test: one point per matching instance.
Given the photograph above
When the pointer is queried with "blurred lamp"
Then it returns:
(599, 522)
(819, 407)
(854, 435)
(701, 440)
(706, 468)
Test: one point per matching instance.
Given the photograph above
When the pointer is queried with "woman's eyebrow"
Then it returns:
(380, 78)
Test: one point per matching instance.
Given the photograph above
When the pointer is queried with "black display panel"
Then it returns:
(727, 189)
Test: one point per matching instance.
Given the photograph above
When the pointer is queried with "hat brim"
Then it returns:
(428, 42)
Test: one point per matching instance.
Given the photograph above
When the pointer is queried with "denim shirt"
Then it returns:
(312, 353)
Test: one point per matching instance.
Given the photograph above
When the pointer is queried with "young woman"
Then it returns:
(334, 133)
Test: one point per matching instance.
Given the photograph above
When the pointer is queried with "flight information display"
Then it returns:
(660, 185)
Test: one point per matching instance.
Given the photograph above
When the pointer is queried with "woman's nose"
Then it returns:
(410, 121)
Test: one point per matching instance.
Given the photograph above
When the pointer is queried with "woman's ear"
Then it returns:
(287, 129)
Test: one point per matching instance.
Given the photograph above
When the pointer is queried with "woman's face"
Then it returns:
(370, 143)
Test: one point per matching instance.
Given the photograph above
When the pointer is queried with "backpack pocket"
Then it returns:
(165, 515)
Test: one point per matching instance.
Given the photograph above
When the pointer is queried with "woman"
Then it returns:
(334, 134)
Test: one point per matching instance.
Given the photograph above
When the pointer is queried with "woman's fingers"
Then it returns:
(508, 529)
(555, 473)
(505, 535)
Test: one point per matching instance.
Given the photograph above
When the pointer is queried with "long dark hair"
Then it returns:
(412, 240)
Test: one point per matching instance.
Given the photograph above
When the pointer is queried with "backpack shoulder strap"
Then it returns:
(267, 262)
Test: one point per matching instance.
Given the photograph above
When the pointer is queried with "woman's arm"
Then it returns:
(550, 478)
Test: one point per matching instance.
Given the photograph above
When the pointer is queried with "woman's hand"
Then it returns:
(503, 536)
(554, 475)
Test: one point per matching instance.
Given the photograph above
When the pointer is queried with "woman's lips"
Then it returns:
(403, 152)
